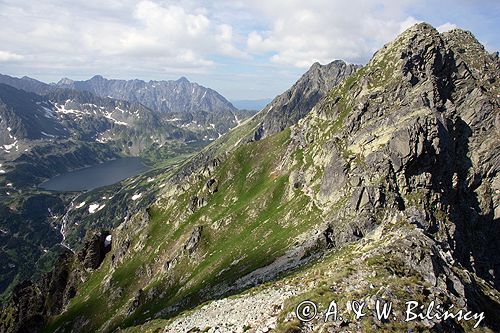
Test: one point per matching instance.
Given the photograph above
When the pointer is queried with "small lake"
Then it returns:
(92, 177)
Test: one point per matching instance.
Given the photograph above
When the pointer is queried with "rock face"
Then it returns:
(421, 124)
(295, 103)
(32, 303)
(388, 188)
(194, 239)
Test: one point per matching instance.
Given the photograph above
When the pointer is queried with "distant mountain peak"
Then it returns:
(65, 81)
(182, 79)
(27, 78)
(26, 83)
(97, 77)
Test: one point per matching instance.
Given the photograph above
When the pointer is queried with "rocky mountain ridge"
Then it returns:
(185, 103)
(182, 103)
(68, 114)
(27, 84)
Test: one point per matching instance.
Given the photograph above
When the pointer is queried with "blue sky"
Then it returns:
(243, 49)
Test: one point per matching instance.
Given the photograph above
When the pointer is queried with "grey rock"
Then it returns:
(193, 240)
(295, 103)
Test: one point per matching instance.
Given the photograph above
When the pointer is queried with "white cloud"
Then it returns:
(150, 35)
(164, 32)
(446, 27)
(303, 32)
(9, 56)
(114, 36)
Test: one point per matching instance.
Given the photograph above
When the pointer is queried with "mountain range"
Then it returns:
(50, 129)
(375, 183)
(184, 103)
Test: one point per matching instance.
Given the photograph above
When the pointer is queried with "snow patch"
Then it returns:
(81, 204)
(9, 147)
(48, 113)
(136, 196)
(49, 135)
(108, 115)
(62, 109)
(95, 208)
(107, 241)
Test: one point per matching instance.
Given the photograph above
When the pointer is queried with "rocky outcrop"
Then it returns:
(193, 240)
(32, 303)
(94, 250)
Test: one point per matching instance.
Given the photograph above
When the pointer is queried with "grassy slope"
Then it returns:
(251, 200)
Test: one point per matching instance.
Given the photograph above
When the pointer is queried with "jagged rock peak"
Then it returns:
(334, 63)
(422, 34)
(465, 46)
(460, 34)
(315, 65)
(414, 37)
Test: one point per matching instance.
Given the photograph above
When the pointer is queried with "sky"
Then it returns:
(245, 50)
